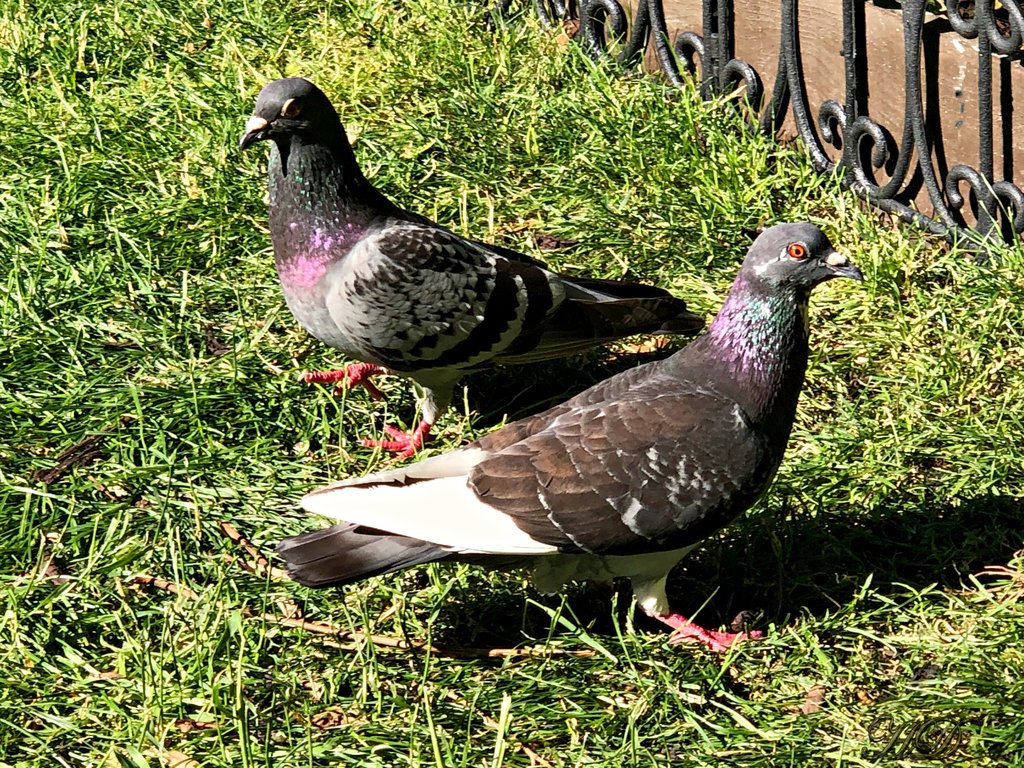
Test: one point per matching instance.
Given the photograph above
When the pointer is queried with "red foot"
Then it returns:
(349, 377)
(684, 629)
(406, 442)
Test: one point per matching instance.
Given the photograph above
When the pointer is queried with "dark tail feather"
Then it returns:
(343, 554)
(618, 289)
(612, 309)
(579, 325)
(628, 316)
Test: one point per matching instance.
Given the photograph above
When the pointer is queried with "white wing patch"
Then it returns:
(444, 511)
(740, 419)
(451, 464)
(629, 516)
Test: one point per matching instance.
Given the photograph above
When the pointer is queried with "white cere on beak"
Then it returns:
(255, 123)
(836, 259)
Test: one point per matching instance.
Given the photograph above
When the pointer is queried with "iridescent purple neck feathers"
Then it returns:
(320, 206)
(760, 338)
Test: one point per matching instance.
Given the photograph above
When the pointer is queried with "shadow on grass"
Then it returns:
(785, 562)
(778, 563)
(517, 391)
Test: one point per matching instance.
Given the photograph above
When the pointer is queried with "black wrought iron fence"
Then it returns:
(965, 199)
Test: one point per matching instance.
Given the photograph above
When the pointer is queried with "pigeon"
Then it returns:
(405, 295)
(621, 480)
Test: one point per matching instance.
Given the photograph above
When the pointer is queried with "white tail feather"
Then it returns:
(442, 511)
(452, 464)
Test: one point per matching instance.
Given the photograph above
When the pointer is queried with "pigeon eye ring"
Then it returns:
(291, 108)
(797, 251)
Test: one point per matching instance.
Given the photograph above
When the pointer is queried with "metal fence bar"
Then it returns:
(606, 32)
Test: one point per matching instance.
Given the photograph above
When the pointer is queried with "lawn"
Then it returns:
(149, 407)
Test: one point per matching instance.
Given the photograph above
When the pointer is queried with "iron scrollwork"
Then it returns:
(866, 146)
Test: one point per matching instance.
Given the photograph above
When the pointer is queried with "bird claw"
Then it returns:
(719, 642)
(405, 444)
(397, 434)
(351, 376)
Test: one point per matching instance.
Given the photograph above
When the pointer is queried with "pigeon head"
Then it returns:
(796, 256)
(291, 107)
(760, 336)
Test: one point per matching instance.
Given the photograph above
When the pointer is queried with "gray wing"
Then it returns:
(633, 383)
(418, 297)
(630, 476)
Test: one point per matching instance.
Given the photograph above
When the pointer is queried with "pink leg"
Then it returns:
(359, 374)
(406, 442)
(349, 377)
(684, 629)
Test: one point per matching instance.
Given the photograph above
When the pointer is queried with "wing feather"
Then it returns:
(417, 297)
(624, 477)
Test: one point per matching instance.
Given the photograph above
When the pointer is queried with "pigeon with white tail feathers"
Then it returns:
(623, 479)
(406, 295)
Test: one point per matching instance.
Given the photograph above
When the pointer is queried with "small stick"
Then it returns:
(397, 643)
(164, 585)
(379, 641)
(81, 453)
(261, 566)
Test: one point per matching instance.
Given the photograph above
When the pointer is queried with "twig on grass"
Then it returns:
(355, 639)
(259, 565)
(162, 584)
(80, 454)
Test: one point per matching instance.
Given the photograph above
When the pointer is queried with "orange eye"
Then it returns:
(291, 108)
(797, 251)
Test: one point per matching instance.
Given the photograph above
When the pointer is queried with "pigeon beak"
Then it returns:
(841, 266)
(254, 131)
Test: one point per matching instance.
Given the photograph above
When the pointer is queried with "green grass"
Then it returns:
(139, 308)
